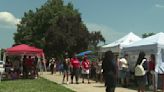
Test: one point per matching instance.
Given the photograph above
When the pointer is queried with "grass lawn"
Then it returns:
(31, 85)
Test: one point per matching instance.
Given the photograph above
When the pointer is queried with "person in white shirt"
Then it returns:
(124, 70)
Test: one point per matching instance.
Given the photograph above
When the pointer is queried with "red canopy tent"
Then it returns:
(24, 49)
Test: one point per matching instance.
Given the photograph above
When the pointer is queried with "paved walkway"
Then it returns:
(93, 87)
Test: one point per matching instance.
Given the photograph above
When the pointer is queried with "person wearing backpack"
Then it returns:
(140, 71)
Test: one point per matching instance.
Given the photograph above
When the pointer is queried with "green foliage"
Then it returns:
(96, 37)
(54, 27)
(147, 35)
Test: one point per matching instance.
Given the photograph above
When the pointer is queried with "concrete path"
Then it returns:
(93, 87)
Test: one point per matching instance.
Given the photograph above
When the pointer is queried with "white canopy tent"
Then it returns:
(150, 45)
(117, 45)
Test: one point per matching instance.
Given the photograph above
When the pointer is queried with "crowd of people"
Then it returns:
(114, 69)
(74, 68)
(17, 67)
(30, 66)
(109, 69)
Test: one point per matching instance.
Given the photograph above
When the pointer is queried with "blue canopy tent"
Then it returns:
(84, 53)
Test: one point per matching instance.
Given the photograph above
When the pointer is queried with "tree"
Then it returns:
(147, 34)
(95, 38)
(55, 28)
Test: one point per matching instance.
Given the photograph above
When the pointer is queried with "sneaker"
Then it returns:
(77, 82)
(82, 81)
(89, 83)
(67, 82)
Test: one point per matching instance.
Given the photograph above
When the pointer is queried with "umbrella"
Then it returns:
(84, 53)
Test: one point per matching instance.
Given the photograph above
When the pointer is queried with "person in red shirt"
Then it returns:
(151, 76)
(29, 63)
(85, 69)
(152, 63)
(75, 67)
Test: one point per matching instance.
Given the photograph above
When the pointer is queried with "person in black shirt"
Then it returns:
(109, 71)
(66, 68)
(35, 63)
(52, 64)
(25, 71)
